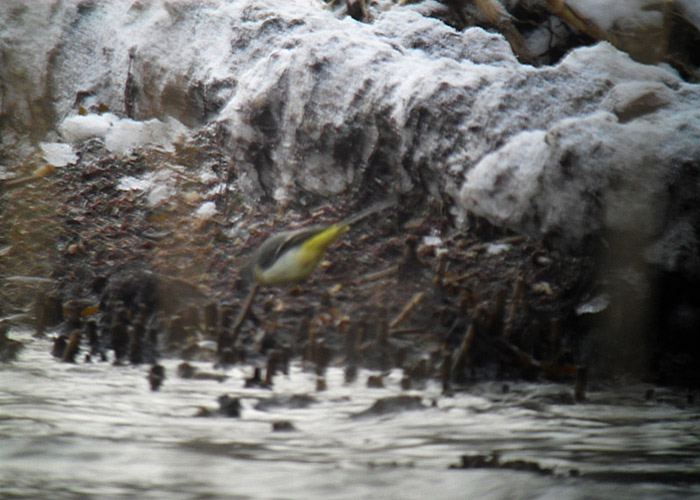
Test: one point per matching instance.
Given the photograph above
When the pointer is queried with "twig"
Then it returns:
(407, 309)
(378, 274)
(226, 339)
(461, 277)
(496, 14)
(560, 9)
(16, 182)
(406, 331)
(235, 328)
(461, 358)
(29, 280)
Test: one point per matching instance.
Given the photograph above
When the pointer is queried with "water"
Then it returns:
(97, 431)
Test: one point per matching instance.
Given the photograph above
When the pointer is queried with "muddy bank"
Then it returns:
(547, 217)
(129, 278)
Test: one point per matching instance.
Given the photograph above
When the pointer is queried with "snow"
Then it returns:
(123, 135)
(131, 183)
(159, 193)
(317, 103)
(432, 241)
(30, 32)
(126, 134)
(620, 13)
(58, 154)
(497, 248)
(206, 210)
(77, 128)
(691, 11)
(158, 186)
(595, 305)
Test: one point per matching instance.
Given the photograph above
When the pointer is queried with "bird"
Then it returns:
(289, 257)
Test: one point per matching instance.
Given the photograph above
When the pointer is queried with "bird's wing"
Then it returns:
(277, 245)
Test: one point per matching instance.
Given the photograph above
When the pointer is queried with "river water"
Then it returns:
(93, 430)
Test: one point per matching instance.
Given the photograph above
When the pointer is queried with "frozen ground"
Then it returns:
(318, 103)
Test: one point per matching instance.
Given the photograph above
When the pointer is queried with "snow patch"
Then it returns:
(130, 183)
(158, 186)
(432, 241)
(497, 248)
(123, 135)
(619, 14)
(58, 154)
(159, 193)
(206, 210)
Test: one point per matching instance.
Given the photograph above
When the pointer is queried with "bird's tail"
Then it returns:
(378, 207)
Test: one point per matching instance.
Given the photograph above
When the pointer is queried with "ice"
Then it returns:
(605, 170)
(207, 176)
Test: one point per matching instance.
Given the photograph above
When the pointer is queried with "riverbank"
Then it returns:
(546, 215)
(114, 259)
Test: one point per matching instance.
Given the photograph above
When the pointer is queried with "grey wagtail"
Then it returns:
(291, 256)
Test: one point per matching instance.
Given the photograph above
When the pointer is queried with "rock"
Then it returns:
(9, 348)
(282, 426)
(156, 376)
(229, 406)
(293, 401)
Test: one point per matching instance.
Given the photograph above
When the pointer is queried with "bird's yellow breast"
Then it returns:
(298, 262)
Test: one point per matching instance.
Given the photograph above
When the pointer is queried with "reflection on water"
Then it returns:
(97, 431)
